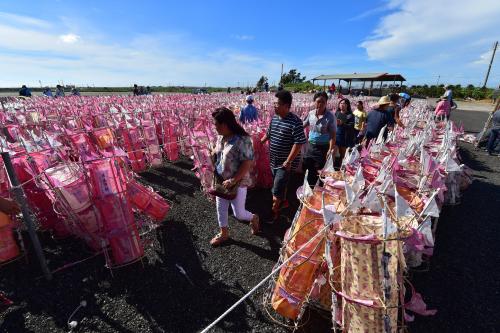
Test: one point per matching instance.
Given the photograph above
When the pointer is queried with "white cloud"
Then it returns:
(417, 29)
(14, 19)
(431, 38)
(484, 59)
(369, 13)
(30, 54)
(244, 37)
(69, 38)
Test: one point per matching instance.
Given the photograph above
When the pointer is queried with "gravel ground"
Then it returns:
(463, 282)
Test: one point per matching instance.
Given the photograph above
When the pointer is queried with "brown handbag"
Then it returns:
(220, 191)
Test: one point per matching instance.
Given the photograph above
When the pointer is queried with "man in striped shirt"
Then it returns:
(286, 136)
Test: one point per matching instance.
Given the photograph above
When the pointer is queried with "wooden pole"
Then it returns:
(491, 62)
(27, 214)
(487, 123)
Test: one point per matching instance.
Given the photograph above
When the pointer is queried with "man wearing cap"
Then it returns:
(378, 118)
(248, 113)
(404, 99)
(448, 93)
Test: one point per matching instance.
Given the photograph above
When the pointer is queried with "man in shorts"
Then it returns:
(286, 137)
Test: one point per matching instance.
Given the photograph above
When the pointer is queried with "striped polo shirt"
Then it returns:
(283, 133)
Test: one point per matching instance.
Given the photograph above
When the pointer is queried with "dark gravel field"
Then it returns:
(462, 282)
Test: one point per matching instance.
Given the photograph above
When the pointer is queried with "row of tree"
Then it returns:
(294, 80)
(469, 91)
(292, 77)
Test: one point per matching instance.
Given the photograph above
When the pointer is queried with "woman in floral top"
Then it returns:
(234, 158)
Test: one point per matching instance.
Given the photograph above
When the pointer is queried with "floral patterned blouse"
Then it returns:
(231, 152)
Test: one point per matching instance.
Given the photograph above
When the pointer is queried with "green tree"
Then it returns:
(292, 77)
(468, 91)
(260, 84)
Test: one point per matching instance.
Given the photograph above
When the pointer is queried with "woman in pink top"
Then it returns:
(443, 109)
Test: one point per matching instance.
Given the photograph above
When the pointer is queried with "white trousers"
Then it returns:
(238, 206)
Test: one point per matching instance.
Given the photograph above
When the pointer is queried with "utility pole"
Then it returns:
(437, 82)
(281, 72)
(491, 62)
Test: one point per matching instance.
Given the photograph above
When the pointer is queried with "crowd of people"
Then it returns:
(330, 132)
(140, 90)
(47, 92)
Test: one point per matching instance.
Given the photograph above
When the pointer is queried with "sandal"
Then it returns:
(255, 224)
(219, 240)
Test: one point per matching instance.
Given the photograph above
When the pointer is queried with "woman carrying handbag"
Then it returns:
(233, 158)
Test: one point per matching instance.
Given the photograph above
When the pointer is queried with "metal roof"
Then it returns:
(362, 77)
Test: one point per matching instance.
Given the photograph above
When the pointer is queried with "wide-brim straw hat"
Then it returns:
(384, 100)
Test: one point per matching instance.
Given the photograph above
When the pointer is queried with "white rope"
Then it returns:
(262, 282)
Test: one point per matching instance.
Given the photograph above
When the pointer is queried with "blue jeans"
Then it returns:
(280, 182)
(494, 133)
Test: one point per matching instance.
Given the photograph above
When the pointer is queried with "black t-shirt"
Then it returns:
(376, 120)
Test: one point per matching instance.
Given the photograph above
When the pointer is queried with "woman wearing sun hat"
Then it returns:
(442, 110)
(378, 118)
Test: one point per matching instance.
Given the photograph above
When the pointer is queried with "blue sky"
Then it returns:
(226, 43)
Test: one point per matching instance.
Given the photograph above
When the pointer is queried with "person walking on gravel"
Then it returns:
(286, 137)
(346, 135)
(234, 157)
(322, 133)
(448, 93)
(359, 121)
(249, 112)
(443, 109)
(377, 119)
